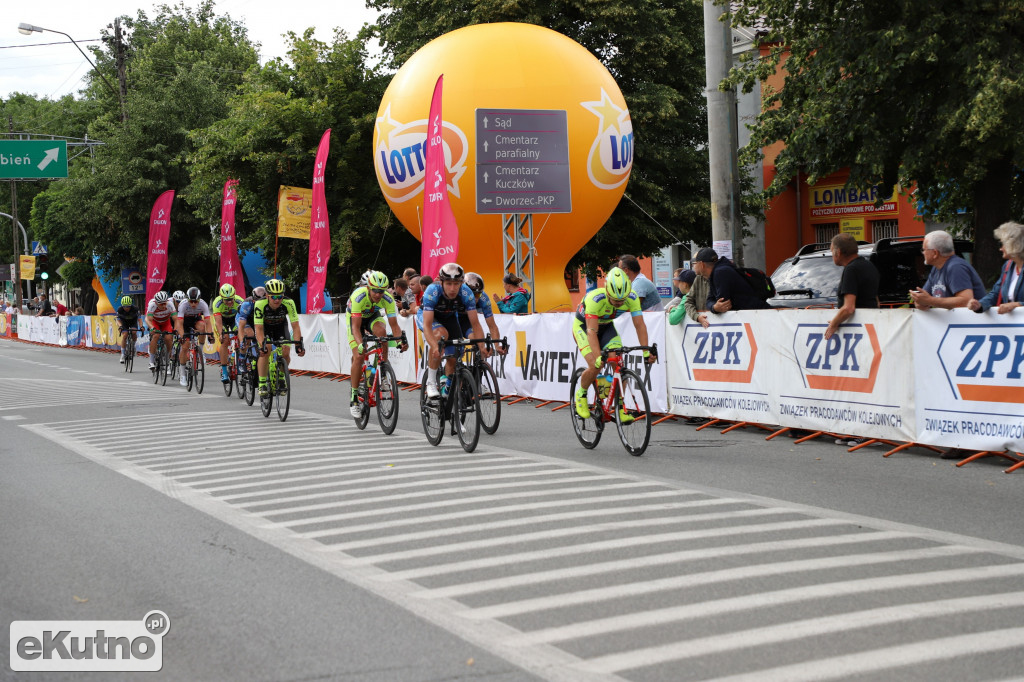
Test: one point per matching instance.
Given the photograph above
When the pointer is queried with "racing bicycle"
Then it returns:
(278, 380)
(129, 347)
(618, 395)
(488, 398)
(379, 386)
(162, 366)
(195, 371)
(455, 404)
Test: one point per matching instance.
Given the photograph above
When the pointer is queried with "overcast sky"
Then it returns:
(26, 65)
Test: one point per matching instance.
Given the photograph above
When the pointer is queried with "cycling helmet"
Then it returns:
(617, 284)
(275, 287)
(365, 278)
(193, 294)
(451, 272)
(475, 282)
(377, 280)
(161, 297)
(227, 291)
(179, 296)
(126, 301)
(258, 293)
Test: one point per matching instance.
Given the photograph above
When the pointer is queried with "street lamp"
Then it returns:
(28, 29)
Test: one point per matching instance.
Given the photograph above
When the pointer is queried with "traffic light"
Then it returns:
(44, 270)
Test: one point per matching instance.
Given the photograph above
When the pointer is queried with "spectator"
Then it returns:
(415, 293)
(696, 302)
(33, 304)
(728, 289)
(516, 299)
(60, 308)
(400, 288)
(45, 309)
(79, 311)
(1008, 291)
(409, 274)
(684, 280)
(858, 285)
(680, 295)
(650, 299)
(952, 283)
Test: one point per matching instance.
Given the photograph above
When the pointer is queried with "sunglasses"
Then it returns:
(276, 298)
(376, 290)
(616, 301)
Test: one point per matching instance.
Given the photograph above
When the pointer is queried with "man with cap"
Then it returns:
(729, 290)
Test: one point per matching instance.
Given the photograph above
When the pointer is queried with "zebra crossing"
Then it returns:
(35, 393)
(577, 572)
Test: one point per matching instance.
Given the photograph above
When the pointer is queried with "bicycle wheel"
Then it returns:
(238, 369)
(363, 400)
(199, 369)
(632, 413)
(431, 413)
(489, 399)
(267, 401)
(588, 431)
(465, 415)
(252, 382)
(228, 387)
(282, 391)
(175, 362)
(190, 361)
(159, 362)
(387, 398)
(129, 355)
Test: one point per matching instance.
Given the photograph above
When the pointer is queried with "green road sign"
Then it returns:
(33, 159)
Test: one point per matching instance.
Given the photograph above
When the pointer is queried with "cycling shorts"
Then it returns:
(164, 325)
(455, 324)
(607, 336)
(276, 332)
(189, 323)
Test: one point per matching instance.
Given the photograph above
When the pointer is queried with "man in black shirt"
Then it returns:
(858, 285)
(729, 289)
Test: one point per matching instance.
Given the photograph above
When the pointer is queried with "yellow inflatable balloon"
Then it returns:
(533, 123)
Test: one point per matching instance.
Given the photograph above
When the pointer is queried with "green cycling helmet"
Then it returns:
(617, 284)
(126, 301)
(377, 280)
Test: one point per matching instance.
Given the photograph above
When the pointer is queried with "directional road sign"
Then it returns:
(522, 161)
(33, 159)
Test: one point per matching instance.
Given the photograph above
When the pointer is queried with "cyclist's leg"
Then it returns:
(379, 329)
(356, 369)
(579, 333)
(222, 348)
(456, 326)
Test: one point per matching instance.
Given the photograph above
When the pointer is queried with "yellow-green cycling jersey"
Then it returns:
(596, 305)
(269, 317)
(361, 304)
(227, 307)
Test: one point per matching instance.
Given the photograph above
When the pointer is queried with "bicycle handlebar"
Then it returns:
(629, 349)
(370, 338)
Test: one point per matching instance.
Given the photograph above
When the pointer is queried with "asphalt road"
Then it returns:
(310, 550)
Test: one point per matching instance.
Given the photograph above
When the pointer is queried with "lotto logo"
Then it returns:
(93, 646)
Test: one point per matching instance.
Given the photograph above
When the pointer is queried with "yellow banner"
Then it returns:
(28, 267)
(853, 226)
(294, 205)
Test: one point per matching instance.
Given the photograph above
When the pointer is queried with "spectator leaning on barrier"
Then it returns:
(952, 282)
(696, 302)
(1008, 291)
(45, 309)
(858, 285)
(683, 279)
(728, 290)
(650, 299)
(516, 299)
(400, 287)
(60, 308)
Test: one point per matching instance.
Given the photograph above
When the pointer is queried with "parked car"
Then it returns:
(811, 279)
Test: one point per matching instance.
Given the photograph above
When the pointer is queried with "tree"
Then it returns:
(922, 94)
(269, 138)
(182, 67)
(655, 52)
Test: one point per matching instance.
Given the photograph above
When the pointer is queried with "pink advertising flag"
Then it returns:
(440, 240)
(319, 232)
(159, 234)
(230, 270)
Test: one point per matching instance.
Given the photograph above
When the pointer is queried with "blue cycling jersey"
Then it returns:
(483, 306)
(245, 312)
(434, 299)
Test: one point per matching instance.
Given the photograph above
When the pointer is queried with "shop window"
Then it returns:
(884, 229)
(823, 233)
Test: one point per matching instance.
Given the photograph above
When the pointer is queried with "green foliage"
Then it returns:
(921, 94)
(78, 273)
(655, 51)
(269, 138)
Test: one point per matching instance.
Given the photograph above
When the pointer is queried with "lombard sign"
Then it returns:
(723, 353)
(848, 361)
(983, 363)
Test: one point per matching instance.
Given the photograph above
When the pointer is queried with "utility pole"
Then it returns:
(122, 79)
(16, 273)
(721, 127)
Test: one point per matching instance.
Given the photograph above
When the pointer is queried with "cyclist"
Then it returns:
(593, 329)
(160, 316)
(483, 307)
(270, 316)
(448, 311)
(178, 297)
(127, 318)
(193, 313)
(225, 310)
(368, 306)
(244, 317)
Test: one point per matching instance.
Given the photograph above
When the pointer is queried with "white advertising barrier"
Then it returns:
(320, 335)
(776, 367)
(543, 355)
(968, 370)
(40, 329)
